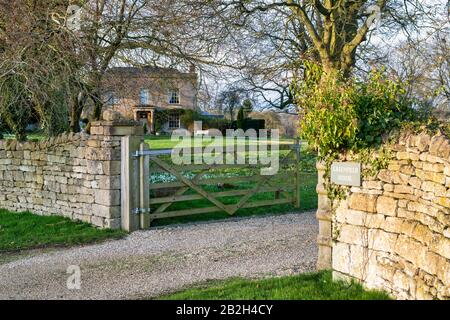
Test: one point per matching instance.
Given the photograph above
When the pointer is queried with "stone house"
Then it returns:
(287, 124)
(155, 96)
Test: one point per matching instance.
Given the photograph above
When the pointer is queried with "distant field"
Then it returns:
(32, 136)
(165, 142)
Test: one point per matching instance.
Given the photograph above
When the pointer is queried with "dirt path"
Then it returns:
(150, 263)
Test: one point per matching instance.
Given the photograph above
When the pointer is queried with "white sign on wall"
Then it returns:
(346, 173)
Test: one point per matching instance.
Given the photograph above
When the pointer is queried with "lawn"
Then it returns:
(309, 286)
(19, 231)
(165, 142)
(157, 142)
(30, 136)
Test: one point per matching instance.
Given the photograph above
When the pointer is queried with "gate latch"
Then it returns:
(142, 153)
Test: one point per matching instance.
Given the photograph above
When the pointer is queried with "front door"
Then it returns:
(145, 117)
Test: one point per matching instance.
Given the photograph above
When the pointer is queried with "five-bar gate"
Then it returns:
(153, 187)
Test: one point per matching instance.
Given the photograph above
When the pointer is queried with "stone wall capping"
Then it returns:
(117, 128)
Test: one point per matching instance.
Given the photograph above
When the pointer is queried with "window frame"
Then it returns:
(144, 93)
(178, 120)
(111, 98)
(172, 93)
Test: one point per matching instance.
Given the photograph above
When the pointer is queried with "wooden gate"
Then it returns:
(153, 186)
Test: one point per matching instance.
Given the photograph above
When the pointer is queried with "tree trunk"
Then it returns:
(21, 135)
(75, 115)
(98, 104)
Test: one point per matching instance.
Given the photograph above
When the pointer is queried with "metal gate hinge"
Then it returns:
(140, 210)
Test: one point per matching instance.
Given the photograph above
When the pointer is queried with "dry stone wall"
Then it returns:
(73, 175)
(393, 233)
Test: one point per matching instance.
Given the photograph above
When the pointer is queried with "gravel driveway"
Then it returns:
(150, 263)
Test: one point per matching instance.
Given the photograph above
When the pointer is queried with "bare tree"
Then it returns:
(334, 29)
(37, 61)
(229, 101)
(424, 66)
(274, 37)
(142, 33)
(420, 61)
(103, 28)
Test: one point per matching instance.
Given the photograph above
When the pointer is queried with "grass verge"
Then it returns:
(308, 286)
(20, 231)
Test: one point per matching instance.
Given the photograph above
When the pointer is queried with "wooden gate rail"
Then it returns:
(188, 212)
(221, 194)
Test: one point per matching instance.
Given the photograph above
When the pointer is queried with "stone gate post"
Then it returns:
(324, 239)
(107, 138)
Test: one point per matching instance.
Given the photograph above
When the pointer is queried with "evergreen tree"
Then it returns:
(240, 121)
(248, 107)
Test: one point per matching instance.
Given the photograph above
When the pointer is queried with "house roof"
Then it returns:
(209, 115)
(146, 70)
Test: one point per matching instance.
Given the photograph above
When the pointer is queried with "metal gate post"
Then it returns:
(144, 177)
(297, 173)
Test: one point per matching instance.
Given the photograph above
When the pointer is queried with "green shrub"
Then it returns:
(249, 123)
(161, 117)
(257, 124)
(240, 119)
(247, 106)
(3, 128)
(188, 117)
(382, 105)
(221, 124)
(340, 115)
(343, 114)
(15, 106)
